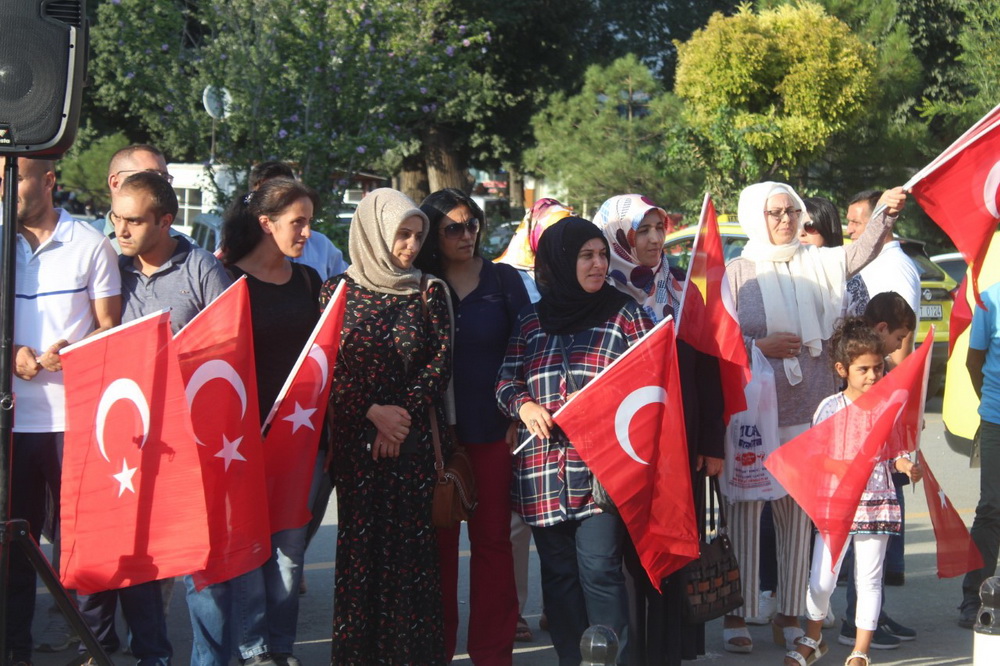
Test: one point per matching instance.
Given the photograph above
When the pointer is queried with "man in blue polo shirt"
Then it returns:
(983, 362)
(158, 271)
(67, 288)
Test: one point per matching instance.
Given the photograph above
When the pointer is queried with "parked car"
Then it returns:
(935, 293)
(961, 404)
(953, 263)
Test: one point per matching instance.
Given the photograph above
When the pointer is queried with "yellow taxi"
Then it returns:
(935, 286)
(960, 410)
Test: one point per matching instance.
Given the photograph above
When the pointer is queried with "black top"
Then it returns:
(283, 317)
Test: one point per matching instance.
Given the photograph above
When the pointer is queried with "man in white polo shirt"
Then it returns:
(67, 287)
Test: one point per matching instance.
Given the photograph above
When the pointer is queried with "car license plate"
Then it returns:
(930, 311)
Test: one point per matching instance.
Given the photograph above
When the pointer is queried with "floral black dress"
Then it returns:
(387, 604)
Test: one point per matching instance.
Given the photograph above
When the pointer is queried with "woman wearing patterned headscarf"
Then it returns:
(520, 252)
(635, 228)
(392, 369)
(580, 325)
(788, 296)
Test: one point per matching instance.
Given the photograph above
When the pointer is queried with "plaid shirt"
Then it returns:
(551, 483)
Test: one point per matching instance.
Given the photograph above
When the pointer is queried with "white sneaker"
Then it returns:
(57, 634)
(830, 621)
(767, 606)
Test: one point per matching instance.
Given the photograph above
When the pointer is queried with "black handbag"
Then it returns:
(712, 582)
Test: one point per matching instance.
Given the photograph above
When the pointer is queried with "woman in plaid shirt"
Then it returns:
(579, 546)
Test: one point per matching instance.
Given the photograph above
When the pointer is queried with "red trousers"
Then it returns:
(493, 607)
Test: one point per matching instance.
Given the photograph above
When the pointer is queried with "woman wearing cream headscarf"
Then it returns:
(393, 367)
(788, 296)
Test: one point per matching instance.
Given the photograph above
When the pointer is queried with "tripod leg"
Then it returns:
(18, 531)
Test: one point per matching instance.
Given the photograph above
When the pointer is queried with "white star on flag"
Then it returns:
(944, 499)
(230, 451)
(124, 478)
(300, 417)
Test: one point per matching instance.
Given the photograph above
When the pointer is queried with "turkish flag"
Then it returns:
(827, 467)
(957, 553)
(216, 357)
(961, 314)
(133, 508)
(628, 426)
(707, 320)
(293, 426)
(960, 191)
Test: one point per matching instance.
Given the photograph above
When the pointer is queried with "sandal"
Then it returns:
(819, 648)
(736, 632)
(522, 634)
(786, 637)
(857, 655)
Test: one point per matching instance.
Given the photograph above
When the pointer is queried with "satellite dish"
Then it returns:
(218, 102)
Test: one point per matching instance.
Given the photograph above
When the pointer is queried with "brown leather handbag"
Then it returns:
(455, 492)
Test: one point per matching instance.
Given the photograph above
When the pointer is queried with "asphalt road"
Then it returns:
(926, 603)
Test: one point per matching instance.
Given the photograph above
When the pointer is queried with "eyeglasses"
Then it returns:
(458, 229)
(810, 228)
(163, 174)
(778, 213)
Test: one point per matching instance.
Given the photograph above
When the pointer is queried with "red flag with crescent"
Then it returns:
(215, 351)
(957, 553)
(293, 427)
(827, 467)
(628, 426)
(960, 191)
(707, 320)
(132, 505)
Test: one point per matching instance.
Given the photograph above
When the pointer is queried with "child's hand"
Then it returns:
(910, 469)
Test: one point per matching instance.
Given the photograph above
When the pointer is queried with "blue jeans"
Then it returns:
(227, 616)
(583, 582)
(282, 575)
(142, 607)
(986, 526)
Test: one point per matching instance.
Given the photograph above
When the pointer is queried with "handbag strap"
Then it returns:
(715, 491)
(570, 381)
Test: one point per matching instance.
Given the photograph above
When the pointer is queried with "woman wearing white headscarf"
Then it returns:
(788, 296)
(392, 369)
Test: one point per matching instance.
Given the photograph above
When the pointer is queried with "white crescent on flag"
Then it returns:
(121, 389)
(633, 402)
(991, 190)
(216, 369)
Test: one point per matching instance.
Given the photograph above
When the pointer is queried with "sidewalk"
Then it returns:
(926, 603)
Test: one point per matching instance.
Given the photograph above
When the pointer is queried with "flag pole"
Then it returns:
(694, 251)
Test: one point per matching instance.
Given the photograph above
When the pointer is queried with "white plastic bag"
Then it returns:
(752, 436)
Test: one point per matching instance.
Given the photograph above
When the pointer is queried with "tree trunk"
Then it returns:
(515, 192)
(445, 166)
(413, 178)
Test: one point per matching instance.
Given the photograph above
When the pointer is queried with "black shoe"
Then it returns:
(286, 659)
(895, 578)
(893, 628)
(967, 616)
(262, 659)
(880, 639)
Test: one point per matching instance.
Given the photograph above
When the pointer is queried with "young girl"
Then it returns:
(855, 349)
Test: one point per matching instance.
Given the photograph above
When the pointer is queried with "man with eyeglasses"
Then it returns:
(891, 270)
(127, 161)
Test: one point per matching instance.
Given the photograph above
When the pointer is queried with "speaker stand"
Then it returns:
(15, 533)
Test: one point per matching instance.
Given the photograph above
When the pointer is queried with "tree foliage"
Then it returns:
(613, 137)
(765, 93)
(330, 87)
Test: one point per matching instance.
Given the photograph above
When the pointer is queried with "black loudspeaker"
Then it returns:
(43, 54)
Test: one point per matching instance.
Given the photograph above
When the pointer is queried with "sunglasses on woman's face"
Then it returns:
(810, 228)
(458, 229)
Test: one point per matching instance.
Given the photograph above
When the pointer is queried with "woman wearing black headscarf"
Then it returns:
(579, 546)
